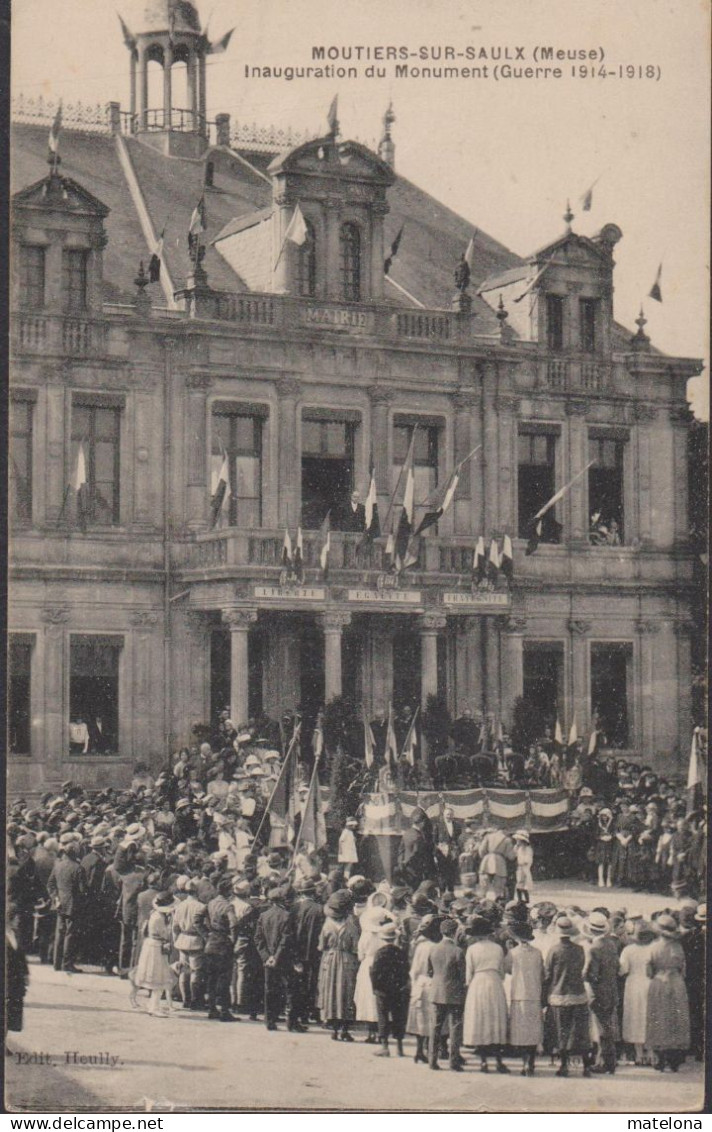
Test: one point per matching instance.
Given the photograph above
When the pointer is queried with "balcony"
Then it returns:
(58, 334)
(574, 372)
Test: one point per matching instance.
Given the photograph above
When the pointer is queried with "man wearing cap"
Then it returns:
(219, 926)
(308, 920)
(446, 966)
(93, 927)
(390, 980)
(189, 941)
(601, 974)
(274, 940)
(67, 888)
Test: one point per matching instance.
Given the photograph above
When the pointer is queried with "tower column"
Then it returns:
(167, 85)
(239, 621)
(202, 96)
(430, 625)
(133, 87)
(192, 88)
(333, 625)
(142, 87)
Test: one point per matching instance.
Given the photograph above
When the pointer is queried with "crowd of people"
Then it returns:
(184, 885)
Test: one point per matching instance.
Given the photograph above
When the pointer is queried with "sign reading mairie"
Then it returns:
(340, 318)
(477, 599)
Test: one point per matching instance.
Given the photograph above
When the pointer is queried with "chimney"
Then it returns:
(222, 129)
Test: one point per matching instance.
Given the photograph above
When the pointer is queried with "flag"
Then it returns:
(299, 556)
(478, 560)
(655, 291)
(154, 267)
(533, 284)
(507, 559)
(312, 832)
(318, 740)
(393, 252)
(325, 545)
(198, 224)
(587, 199)
(282, 803)
(287, 550)
(470, 251)
(412, 554)
(483, 735)
(430, 518)
(534, 536)
(405, 522)
(221, 489)
(694, 773)
(493, 561)
(558, 736)
(536, 525)
(391, 749)
(592, 743)
(220, 45)
(369, 742)
(390, 547)
(332, 116)
(372, 522)
(296, 233)
(573, 733)
(55, 130)
(129, 39)
(411, 741)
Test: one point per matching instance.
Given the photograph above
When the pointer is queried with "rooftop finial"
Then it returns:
(386, 148)
(568, 216)
(641, 321)
(640, 340)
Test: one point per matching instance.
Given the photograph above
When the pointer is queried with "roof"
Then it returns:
(160, 15)
(241, 223)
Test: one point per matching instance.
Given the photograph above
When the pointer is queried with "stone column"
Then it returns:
(289, 472)
(681, 694)
(378, 664)
(192, 87)
(493, 692)
(239, 621)
(56, 475)
(283, 252)
(490, 460)
(513, 688)
(430, 625)
(468, 664)
(464, 401)
(644, 415)
(167, 85)
(680, 417)
(202, 95)
(197, 451)
(332, 223)
(378, 212)
(333, 624)
(575, 504)
(143, 692)
(142, 87)
(580, 680)
(133, 89)
(506, 408)
(56, 719)
(381, 400)
(646, 631)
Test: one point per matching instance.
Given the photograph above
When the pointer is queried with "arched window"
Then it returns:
(350, 248)
(306, 264)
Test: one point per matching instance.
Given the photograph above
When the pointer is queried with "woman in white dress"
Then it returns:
(418, 1022)
(485, 1021)
(372, 920)
(634, 965)
(153, 970)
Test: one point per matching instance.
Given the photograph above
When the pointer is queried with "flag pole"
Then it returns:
(561, 492)
(400, 477)
(310, 792)
(274, 788)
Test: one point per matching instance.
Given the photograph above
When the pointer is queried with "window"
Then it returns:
(32, 277)
(605, 491)
(19, 694)
(350, 250)
(425, 459)
(94, 694)
(237, 434)
(543, 686)
(306, 264)
(610, 667)
(95, 432)
(20, 477)
(555, 322)
(328, 472)
(535, 483)
(587, 324)
(74, 279)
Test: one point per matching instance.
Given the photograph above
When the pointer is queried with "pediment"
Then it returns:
(571, 250)
(60, 194)
(325, 157)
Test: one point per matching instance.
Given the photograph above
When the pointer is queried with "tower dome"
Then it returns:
(166, 15)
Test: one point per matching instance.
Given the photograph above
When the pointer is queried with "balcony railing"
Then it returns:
(57, 334)
(574, 372)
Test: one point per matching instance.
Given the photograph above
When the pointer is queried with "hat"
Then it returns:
(400, 892)
(258, 772)
(521, 931)
(182, 804)
(66, 839)
(97, 840)
(241, 887)
(521, 835)
(307, 886)
(644, 932)
(352, 823)
(135, 831)
(586, 792)
(565, 928)
(164, 902)
(340, 902)
(181, 883)
(598, 923)
(479, 926)
(244, 736)
(667, 926)
(270, 755)
(701, 914)
(280, 892)
(252, 760)
(388, 932)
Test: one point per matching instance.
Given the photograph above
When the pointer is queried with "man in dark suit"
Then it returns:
(379, 730)
(446, 965)
(466, 734)
(352, 516)
(67, 886)
(416, 857)
(308, 919)
(274, 939)
(447, 834)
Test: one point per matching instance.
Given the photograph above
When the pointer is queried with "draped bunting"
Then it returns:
(539, 811)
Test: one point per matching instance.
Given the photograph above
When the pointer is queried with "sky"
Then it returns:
(505, 154)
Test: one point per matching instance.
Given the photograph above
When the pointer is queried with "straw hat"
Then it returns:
(565, 928)
(667, 926)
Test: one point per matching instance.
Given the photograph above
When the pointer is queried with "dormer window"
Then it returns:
(350, 248)
(555, 322)
(32, 267)
(587, 324)
(74, 279)
(306, 264)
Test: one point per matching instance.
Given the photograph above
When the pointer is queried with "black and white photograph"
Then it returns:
(358, 413)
